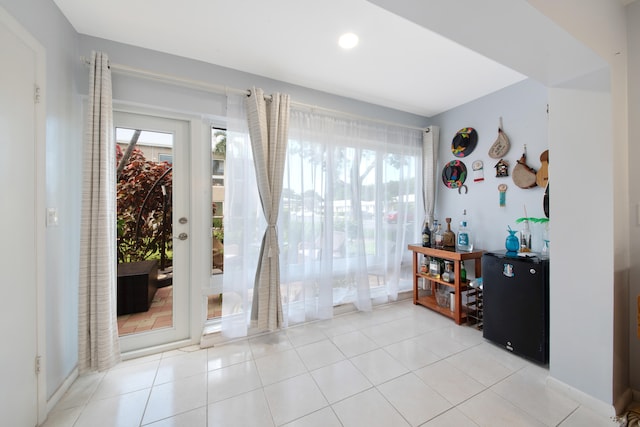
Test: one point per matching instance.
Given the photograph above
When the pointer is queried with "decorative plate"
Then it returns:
(454, 174)
(464, 142)
(500, 147)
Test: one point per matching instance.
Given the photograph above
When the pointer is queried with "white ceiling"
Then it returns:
(398, 64)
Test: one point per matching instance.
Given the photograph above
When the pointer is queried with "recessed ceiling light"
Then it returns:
(348, 41)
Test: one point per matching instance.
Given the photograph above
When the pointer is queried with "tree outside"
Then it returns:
(144, 209)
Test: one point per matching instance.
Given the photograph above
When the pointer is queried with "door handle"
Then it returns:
(183, 236)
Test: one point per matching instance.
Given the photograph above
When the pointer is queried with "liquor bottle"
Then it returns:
(464, 243)
(463, 273)
(464, 238)
(434, 227)
(466, 218)
(525, 237)
(439, 237)
(424, 267)
(434, 267)
(447, 275)
(426, 234)
(449, 237)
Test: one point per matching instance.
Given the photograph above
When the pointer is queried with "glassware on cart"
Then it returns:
(442, 296)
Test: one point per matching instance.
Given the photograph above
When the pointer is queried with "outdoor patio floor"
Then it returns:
(160, 314)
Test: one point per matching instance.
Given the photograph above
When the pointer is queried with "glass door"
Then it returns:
(153, 223)
(218, 154)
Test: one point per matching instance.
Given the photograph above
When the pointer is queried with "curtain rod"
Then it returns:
(225, 90)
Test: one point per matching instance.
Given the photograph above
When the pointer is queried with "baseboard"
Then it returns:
(134, 354)
(64, 387)
(605, 409)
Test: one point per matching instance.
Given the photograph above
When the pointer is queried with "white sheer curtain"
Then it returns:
(430, 138)
(244, 223)
(98, 346)
(352, 201)
(268, 128)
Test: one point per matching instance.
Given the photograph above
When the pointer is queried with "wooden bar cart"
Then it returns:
(429, 301)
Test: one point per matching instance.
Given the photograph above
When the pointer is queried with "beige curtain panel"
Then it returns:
(268, 130)
(97, 324)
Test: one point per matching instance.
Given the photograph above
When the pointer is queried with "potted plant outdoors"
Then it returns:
(144, 215)
(217, 229)
(144, 210)
(217, 240)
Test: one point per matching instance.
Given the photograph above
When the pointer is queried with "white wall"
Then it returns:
(581, 294)
(633, 25)
(602, 26)
(63, 156)
(162, 95)
(522, 107)
(557, 43)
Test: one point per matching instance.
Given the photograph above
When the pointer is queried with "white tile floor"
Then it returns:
(400, 365)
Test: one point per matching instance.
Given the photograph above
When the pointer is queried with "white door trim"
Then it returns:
(180, 333)
(39, 201)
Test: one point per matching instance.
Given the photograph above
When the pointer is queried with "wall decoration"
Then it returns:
(502, 168)
(501, 145)
(454, 174)
(464, 142)
(502, 188)
(542, 176)
(542, 179)
(545, 201)
(478, 171)
(524, 176)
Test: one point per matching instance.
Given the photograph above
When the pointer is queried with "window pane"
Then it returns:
(218, 153)
(144, 224)
(349, 209)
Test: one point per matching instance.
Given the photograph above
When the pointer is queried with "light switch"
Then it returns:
(52, 217)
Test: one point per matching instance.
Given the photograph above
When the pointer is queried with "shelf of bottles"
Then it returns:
(436, 270)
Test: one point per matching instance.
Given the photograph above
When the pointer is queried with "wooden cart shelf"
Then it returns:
(459, 314)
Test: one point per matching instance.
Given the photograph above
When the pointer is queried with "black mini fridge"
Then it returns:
(516, 303)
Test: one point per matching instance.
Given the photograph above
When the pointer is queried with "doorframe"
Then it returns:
(198, 164)
(201, 219)
(39, 202)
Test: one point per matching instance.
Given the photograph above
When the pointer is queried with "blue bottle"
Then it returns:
(512, 243)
